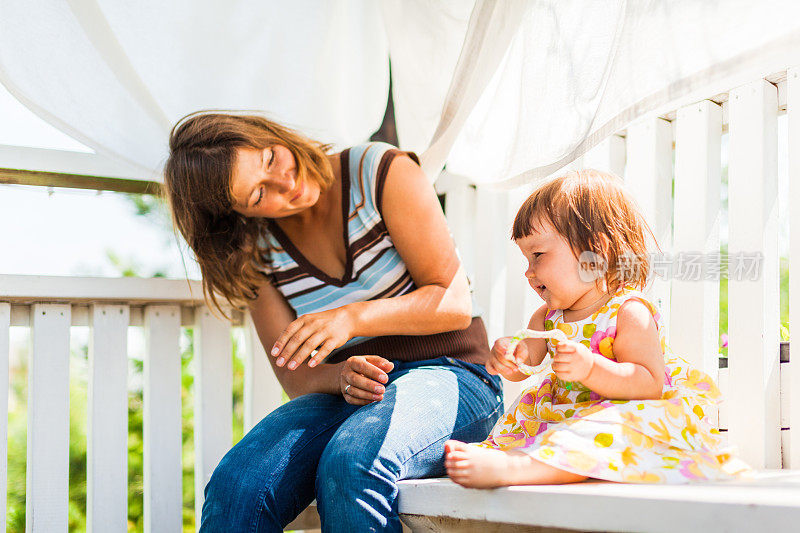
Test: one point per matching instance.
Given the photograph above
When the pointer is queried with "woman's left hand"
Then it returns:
(323, 332)
(573, 361)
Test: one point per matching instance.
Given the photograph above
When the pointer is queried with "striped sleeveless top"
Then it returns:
(373, 268)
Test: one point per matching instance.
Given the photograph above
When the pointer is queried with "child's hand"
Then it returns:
(573, 361)
(500, 364)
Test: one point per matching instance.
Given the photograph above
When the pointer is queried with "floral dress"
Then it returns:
(572, 428)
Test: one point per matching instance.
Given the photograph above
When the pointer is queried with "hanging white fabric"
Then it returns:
(116, 75)
(576, 72)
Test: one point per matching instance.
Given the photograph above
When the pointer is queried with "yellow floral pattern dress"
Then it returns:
(570, 427)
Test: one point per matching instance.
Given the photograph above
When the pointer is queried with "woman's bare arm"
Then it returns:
(271, 314)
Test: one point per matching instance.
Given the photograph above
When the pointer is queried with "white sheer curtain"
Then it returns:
(116, 75)
(503, 92)
(575, 72)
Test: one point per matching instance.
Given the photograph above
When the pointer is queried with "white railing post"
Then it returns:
(492, 229)
(753, 299)
(793, 119)
(697, 213)
(5, 323)
(262, 390)
(460, 214)
(607, 156)
(47, 476)
(163, 500)
(649, 178)
(107, 434)
(213, 398)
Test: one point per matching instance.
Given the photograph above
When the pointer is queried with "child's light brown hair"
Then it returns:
(592, 211)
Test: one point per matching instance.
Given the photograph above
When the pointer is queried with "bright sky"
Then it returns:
(68, 231)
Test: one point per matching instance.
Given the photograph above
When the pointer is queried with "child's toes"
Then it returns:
(455, 445)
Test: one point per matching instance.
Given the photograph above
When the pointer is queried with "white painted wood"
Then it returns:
(5, 323)
(697, 214)
(785, 371)
(753, 304)
(262, 390)
(64, 161)
(607, 156)
(460, 214)
(162, 419)
(213, 399)
(107, 435)
(793, 127)
(786, 446)
(20, 315)
(770, 503)
(649, 178)
(492, 231)
(724, 387)
(22, 288)
(47, 486)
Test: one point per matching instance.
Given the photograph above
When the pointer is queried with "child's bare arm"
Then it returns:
(638, 373)
(537, 348)
(529, 351)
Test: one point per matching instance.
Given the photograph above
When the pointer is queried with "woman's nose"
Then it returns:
(285, 183)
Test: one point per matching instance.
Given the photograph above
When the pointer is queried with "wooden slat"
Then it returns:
(213, 398)
(793, 126)
(492, 228)
(47, 476)
(607, 156)
(697, 213)
(460, 214)
(262, 391)
(162, 419)
(12, 176)
(5, 323)
(649, 178)
(107, 436)
(753, 301)
(723, 382)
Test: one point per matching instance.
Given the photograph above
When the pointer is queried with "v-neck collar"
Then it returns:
(300, 259)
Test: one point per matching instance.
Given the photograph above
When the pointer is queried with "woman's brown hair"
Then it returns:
(593, 213)
(197, 184)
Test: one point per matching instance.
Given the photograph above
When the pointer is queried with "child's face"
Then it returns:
(553, 270)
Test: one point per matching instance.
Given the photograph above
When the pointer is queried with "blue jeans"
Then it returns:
(351, 457)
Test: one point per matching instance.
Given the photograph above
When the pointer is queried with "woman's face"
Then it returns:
(264, 183)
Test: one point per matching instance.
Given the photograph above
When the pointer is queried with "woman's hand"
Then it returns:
(363, 377)
(323, 332)
(499, 363)
(573, 361)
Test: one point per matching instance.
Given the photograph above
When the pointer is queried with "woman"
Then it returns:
(343, 259)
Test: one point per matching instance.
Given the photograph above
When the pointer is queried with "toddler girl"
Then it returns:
(613, 402)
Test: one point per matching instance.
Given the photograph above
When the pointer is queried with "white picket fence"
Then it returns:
(759, 409)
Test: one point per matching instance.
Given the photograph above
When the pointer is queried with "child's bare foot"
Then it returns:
(472, 466)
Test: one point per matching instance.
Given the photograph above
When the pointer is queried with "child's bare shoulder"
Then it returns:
(634, 314)
(537, 320)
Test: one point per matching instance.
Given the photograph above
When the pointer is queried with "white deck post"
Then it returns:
(697, 213)
(753, 313)
(107, 435)
(460, 213)
(607, 156)
(163, 500)
(5, 323)
(793, 367)
(262, 390)
(649, 178)
(213, 399)
(492, 231)
(47, 477)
